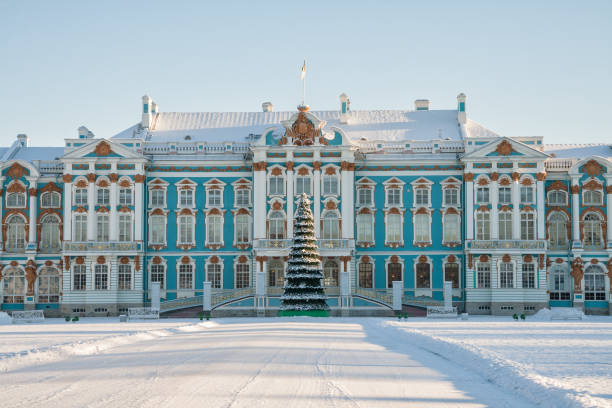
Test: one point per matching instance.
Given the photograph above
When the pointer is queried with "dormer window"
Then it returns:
(16, 200)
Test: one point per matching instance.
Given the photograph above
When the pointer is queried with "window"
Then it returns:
(482, 195)
(527, 226)
(451, 274)
(276, 274)
(125, 227)
(505, 225)
(506, 275)
(103, 196)
(364, 197)
(330, 184)
(214, 225)
(158, 198)
(242, 275)
(557, 198)
(394, 273)
(242, 229)
(214, 197)
(158, 274)
(451, 196)
(80, 228)
(483, 226)
(14, 285)
(186, 198)
(101, 277)
(594, 283)
(330, 272)
(394, 228)
(79, 277)
(394, 197)
(302, 185)
(125, 196)
(103, 228)
(557, 230)
(15, 200)
(505, 195)
(15, 234)
(276, 225)
(559, 284)
(125, 277)
(213, 275)
(50, 234)
(452, 224)
(243, 197)
(185, 229)
(277, 185)
(158, 229)
(483, 275)
(80, 196)
(421, 197)
(421, 228)
(50, 200)
(528, 275)
(365, 228)
(365, 275)
(331, 226)
(185, 276)
(592, 197)
(423, 276)
(592, 231)
(527, 195)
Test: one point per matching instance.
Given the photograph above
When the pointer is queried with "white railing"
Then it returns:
(511, 244)
(286, 243)
(334, 243)
(28, 316)
(559, 164)
(101, 246)
(448, 146)
(50, 166)
(142, 313)
(271, 243)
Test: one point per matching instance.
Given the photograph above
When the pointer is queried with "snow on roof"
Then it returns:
(38, 153)
(386, 125)
(578, 151)
(475, 129)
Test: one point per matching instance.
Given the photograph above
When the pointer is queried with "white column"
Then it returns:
(609, 212)
(494, 275)
(469, 206)
(139, 208)
(516, 204)
(1, 201)
(259, 200)
(494, 209)
(68, 207)
(113, 227)
(33, 207)
(91, 212)
(348, 206)
(575, 189)
(290, 196)
(317, 197)
(206, 298)
(541, 206)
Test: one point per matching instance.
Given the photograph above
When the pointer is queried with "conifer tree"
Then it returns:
(303, 291)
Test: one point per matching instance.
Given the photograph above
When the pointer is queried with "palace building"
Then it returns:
(420, 196)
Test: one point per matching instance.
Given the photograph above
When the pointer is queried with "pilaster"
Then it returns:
(575, 190)
(139, 214)
(348, 194)
(516, 204)
(494, 209)
(540, 205)
(469, 206)
(317, 193)
(290, 196)
(33, 207)
(67, 207)
(113, 227)
(91, 208)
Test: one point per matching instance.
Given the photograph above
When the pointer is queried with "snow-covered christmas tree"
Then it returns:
(303, 293)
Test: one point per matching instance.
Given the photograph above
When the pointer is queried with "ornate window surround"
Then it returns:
(362, 184)
(276, 205)
(242, 184)
(425, 260)
(81, 183)
(276, 171)
(185, 260)
(372, 214)
(447, 184)
(185, 212)
(101, 260)
(182, 185)
(449, 260)
(395, 259)
(451, 211)
(304, 170)
(235, 213)
(365, 259)
(592, 184)
(242, 260)
(16, 187)
(125, 182)
(509, 260)
(159, 212)
(207, 215)
(102, 183)
(214, 260)
(124, 260)
(421, 184)
(394, 183)
(158, 184)
(214, 184)
(388, 212)
(330, 170)
(159, 260)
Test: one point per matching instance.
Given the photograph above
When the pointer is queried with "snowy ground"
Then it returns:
(307, 362)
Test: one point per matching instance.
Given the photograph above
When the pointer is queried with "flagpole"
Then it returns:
(303, 90)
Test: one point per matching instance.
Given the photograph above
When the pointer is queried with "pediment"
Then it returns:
(505, 148)
(102, 148)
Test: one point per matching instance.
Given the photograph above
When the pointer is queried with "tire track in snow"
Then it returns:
(330, 385)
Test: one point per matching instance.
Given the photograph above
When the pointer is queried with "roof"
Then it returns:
(385, 125)
(578, 150)
(475, 129)
(38, 153)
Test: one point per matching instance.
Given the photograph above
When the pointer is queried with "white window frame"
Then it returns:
(18, 204)
(55, 233)
(178, 229)
(370, 216)
(208, 219)
(513, 273)
(330, 178)
(208, 265)
(158, 185)
(248, 273)
(186, 185)
(164, 265)
(54, 194)
(529, 193)
(557, 193)
(419, 240)
(164, 241)
(305, 180)
(78, 194)
(95, 275)
(249, 227)
(444, 228)
(119, 273)
(75, 229)
(500, 195)
(128, 234)
(528, 225)
(481, 233)
(401, 229)
(126, 196)
(102, 236)
(500, 219)
(586, 202)
(283, 181)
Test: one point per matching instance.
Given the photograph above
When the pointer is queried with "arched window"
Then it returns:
(528, 226)
(394, 228)
(14, 285)
(50, 234)
(452, 228)
(242, 228)
(422, 232)
(330, 271)
(557, 197)
(276, 273)
(80, 228)
(365, 228)
(15, 200)
(483, 226)
(559, 283)
(365, 275)
(557, 230)
(451, 273)
(423, 275)
(50, 199)
(394, 273)
(592, 231)
(331, 226)
(276, 225)
(15, 234)
(213, 275)
(594, 283)
(48, 285)
(506, 275)
(592, 197)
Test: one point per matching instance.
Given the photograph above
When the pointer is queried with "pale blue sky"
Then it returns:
(527, 68)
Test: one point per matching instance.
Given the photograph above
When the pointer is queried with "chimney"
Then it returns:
(461, 116)
(345, 105)
(85, 133)
(267, 106)
(24, 140)
(154, 108)
(421, 104)
(146, 111)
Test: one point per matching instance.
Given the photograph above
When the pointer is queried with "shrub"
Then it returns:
(75, 319)
(67, 318)
(523, 316)
(515, 316)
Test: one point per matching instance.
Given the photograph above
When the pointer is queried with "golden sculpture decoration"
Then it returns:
(302, 131)
(504, 148)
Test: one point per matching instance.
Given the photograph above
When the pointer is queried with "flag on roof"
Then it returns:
(303, 73)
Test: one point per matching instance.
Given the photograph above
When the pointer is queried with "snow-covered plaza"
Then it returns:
(307, 362)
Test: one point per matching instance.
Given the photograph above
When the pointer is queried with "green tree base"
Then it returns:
(312, 313)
